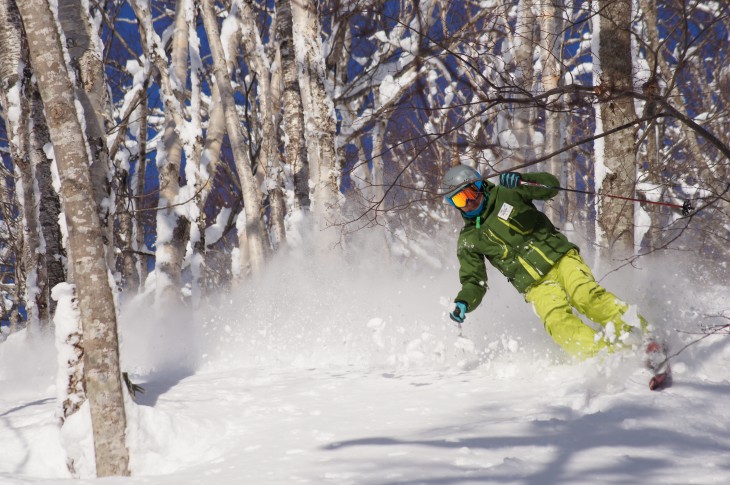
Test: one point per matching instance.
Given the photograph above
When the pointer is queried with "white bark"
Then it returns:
(170, 249)
(210, 159)
(293, 121)
(83, 46)
(138, 191)
(16, 109)
(172, 229)
(85, 240)
(269, 157)
(551, 44)
(524, 46)
(319, 121)
(253, 239)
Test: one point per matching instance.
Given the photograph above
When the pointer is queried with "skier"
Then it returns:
(502, 225)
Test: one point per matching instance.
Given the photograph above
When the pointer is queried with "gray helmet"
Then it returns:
(458, 177)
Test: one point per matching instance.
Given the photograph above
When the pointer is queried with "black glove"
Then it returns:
(510, 180)
(459, 313)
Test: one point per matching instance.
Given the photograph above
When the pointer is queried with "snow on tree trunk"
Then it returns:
(293, 120)
(172, 227)
(615, 217)
(85, 239)
(252, 234)
(262, 67)
(124, 189)
(209, 161)
(319, 121)
(70, 352)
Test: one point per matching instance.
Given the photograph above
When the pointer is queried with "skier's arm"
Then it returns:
(472, 275)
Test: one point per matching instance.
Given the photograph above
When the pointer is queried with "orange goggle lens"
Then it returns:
(469, 193)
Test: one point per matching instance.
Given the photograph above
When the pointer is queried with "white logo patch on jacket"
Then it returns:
(505, 211)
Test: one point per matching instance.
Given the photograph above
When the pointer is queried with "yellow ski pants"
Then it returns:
(570, 284)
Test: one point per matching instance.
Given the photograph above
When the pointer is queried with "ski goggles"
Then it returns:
(470, 192)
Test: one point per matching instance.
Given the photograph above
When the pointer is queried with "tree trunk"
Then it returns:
(172, 228)
(296, 152)
(523, 115)
(269, 154)
(616, 217)
(49, 205)
(139, 190)
(18, 89)
(85, 240)
(10, 222)
(209, 161)
(253, 226)
(551, 44)
(319, 122)
(90, 84)
(124, 193)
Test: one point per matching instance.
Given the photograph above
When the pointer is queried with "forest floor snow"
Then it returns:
(349, 375)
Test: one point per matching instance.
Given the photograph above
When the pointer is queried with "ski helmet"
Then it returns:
(458, 177)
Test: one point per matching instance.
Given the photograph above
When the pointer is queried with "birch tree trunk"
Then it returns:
(49, 208)
(550, 45)
(523, 116)
(10, 230)
(139, 190)
(125, 185)
(616, 217)
(253, 244)
(653, 149)
(85, 240)
(296, 152)
(319, 122)
(90, 84)
(262, 67)
(209, 161)
(551, 27)
(15, 97)
(172, 227)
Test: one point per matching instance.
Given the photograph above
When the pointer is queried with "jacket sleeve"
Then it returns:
(472, 275)
(528, 192)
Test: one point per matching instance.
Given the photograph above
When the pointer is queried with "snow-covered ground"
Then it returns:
(326, 371)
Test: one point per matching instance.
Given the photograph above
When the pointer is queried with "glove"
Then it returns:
(459, 313)
(510, 180)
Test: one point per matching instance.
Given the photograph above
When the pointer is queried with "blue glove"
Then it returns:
(459, 313)
(510, 180)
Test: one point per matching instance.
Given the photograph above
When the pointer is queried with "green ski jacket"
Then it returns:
(515, 237)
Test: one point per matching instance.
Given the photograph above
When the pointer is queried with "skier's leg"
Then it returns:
(593, 300)
(551, 304)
